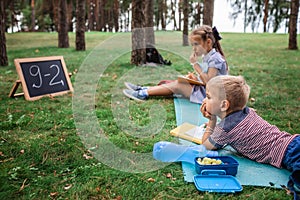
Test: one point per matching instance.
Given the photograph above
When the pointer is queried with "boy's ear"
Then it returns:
(225, 105)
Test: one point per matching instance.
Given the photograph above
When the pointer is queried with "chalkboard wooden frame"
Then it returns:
(63, 74)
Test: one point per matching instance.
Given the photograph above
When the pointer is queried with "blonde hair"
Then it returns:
(232, 88)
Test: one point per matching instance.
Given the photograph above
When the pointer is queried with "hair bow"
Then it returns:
(216, 33)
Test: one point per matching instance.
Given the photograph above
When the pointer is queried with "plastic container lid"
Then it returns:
(217, 183)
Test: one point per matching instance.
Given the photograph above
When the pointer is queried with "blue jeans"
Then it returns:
(291, 161)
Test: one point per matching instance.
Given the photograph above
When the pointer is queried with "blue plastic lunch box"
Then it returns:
(229, 165)
(218, 178)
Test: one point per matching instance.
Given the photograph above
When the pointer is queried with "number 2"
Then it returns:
(53, 79)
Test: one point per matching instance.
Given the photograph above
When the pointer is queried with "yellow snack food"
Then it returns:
(209, 161)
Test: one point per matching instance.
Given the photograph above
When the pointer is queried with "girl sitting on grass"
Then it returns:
(205, 41)
(245, 131)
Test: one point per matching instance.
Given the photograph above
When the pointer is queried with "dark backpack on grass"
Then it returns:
(153, 56)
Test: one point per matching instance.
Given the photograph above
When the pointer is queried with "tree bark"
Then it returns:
(92, 14)
(32, 16)
(293, 25)
(266, 11)
(185, 32)
(3, 52)
(63, 37)
(138, 53)
(173, 15)
(208, 12)
(116, 15)
(70, 16)
(149, 31)
(80, 25)
(245, 15)
(180, 5)
(55, 6)
(102, 15)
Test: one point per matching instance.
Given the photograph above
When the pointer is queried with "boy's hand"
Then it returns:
(205, 113)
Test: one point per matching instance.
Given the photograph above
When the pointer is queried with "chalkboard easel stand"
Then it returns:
(13, 90)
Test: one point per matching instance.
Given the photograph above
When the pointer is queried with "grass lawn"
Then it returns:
(49, 149)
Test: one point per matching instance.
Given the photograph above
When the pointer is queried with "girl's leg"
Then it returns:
(175, 87)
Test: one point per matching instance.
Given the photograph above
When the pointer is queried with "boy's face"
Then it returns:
(213, 103)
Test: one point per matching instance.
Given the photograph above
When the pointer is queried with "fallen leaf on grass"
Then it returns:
(87, 157)
(151, 180)
(67, 186)
(114, 77)
(23, 185)
(288, 192)
(3, 161)
(53, 194)
(118, 198)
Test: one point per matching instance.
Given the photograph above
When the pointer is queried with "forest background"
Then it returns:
(66, 16)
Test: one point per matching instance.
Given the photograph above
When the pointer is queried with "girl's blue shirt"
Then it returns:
(215, 59)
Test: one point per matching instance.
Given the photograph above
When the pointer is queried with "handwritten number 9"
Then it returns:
(34, 74)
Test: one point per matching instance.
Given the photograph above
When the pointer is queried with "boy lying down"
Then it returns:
(245, 131)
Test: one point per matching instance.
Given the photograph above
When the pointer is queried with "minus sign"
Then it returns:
(47, 75)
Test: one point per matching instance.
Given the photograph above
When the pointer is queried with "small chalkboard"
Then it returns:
(43, 76)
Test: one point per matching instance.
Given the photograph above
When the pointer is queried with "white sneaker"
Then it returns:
(134, 87)
(134, 94)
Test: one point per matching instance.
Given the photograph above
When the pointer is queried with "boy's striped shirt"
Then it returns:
(252, 136)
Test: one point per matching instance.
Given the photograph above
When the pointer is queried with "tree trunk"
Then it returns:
(173, 15)
(245, 15)
(55, 13)
(149, 31)
(266, 11)
(70, 16)
(116, 15)
(80, 25)
(3, 53)
(91, 8)
(63, 38)
(208, 12)
(138, 54)
(12, 16)
(293, 25)
(179, 14)
(163, 15)
(102, 15)
(185, 23)
(32, 16)
(199, 10)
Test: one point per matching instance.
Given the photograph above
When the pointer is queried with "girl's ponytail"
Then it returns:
(217, 44)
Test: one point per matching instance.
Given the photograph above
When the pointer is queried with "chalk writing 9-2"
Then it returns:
(35, 71)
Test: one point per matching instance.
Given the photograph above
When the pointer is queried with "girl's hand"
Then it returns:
(192, 76)
(193, 57)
